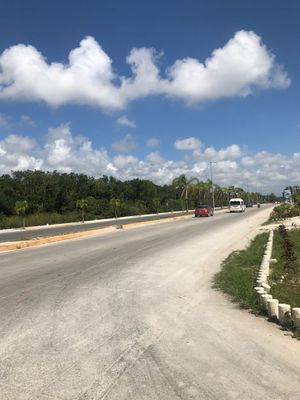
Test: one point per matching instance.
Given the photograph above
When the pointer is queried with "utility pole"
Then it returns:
(212, 184)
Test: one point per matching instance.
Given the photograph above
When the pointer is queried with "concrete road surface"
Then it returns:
(132, 315)
(32, 232)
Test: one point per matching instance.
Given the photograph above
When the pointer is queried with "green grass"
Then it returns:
(285, 285)
(237, 277)
(239, 271)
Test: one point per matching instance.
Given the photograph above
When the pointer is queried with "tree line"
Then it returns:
(53, 197)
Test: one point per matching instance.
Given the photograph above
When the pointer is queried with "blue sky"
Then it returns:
(152, 89)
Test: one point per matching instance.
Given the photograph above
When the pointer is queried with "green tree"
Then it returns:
(183, 184)
(82, 204)
(21, 208)
(156, 204)
(115, 204)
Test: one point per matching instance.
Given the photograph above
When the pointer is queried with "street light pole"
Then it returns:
(212, 184)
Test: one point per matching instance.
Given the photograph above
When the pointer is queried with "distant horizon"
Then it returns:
(246, 190)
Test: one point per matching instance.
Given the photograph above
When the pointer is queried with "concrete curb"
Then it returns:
(278, 312)
(39, 241)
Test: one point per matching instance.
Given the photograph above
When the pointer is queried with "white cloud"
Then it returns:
(125, 145)
(231, 152)
(154, 158)
(86, 79)
(121, 161)
(17, 144)
(153, 142)
(236, 69)
(190, 143)
(123, 120)
(145, 78)
(64, 151)
(15, 154)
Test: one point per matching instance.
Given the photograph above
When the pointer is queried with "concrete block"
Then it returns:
(259, 289)
(264, 298)
(283, 310)
(266, 287)
(260, 281)
(272, 308)
(296, 313)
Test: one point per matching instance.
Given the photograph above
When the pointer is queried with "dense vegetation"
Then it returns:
(286, 210)
(285, 274)
(53, 197)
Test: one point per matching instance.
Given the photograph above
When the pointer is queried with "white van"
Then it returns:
(237, 205)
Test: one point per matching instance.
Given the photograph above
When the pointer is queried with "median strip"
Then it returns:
(23, 244)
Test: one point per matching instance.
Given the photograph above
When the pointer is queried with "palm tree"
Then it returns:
(218, 195)
(82, 204)
(183, 184)
(115, 203)
(202, 188)
(21, 206)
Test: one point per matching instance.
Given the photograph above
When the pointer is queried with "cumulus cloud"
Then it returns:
(236, 69)
(86, 79)
(124, 121)
(64, 151)
(153, 142)
(190, 143)
(125, 145)
(145, 78)
(154, 158)
(231, 152)
(16, 153)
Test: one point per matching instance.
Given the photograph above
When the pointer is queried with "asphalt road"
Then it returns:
(13, 235)
(132, 315)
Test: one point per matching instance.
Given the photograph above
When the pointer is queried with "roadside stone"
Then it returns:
(283, 311)
(272, 308)
(264, 298)
(296, 313)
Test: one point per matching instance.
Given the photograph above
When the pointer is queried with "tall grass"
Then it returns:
(239, 271)
(285, 281)
(42, 218)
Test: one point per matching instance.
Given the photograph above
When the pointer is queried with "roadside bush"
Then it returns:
(285, 211)
(285, 274)
(42, 218)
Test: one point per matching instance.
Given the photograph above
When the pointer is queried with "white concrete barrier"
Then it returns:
(272, 308)
(266, 287)
(264, 298)
(260, 290)
(283, 311)
(296, 313)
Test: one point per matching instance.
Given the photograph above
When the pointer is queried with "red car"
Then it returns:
(206, 211)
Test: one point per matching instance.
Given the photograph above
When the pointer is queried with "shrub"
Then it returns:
(285, 211)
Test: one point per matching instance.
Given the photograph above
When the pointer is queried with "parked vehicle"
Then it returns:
(204, 211)
(237, 205)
